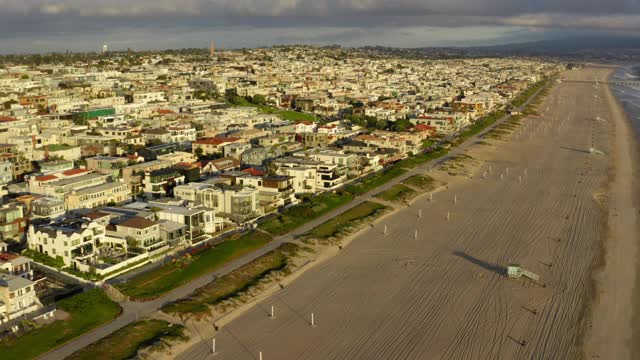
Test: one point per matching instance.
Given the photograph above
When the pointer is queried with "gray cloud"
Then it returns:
(318, 7)
(40, 23)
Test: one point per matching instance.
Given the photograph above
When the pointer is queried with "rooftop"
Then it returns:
(101, 187)
(14, 282)
(137, 222)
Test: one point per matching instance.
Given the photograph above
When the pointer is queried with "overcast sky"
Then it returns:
(79, 25)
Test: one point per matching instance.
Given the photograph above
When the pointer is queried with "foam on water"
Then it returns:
(629, 96)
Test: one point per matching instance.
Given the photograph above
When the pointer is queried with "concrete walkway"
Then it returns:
(135, 310)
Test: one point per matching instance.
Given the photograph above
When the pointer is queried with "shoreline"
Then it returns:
(615, 289)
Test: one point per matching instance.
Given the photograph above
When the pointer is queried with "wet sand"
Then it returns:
(616, 292)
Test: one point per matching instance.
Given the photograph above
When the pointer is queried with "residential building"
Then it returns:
(109, 193)
(74, 240)
(13, 221)
(13, 264)
(199, 221)
(159, 183)
(237, 202)
(141, 235)
(17, 297)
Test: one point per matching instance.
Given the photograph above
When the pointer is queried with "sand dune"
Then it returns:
(445, 295)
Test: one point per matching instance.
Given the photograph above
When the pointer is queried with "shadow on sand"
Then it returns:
(574, 149)
(500, 270)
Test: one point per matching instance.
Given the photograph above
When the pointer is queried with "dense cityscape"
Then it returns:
(319, 202)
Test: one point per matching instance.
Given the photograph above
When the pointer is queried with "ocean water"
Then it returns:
(629, 96)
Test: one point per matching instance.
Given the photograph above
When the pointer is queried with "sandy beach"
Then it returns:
(544, 204)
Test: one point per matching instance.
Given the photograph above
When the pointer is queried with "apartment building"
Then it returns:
(181, 133)
(6, 172)
(13, 264)
(59, 185)
(237, 202)
(13, 221)
(17, 297)
(47, 207)
(141, 235)
(213, 145)
(274, 191)
(199, 221)
(160, 183)
(311, 175)
(177, 157)
(109, 193)
(74, 240)
(133, 175)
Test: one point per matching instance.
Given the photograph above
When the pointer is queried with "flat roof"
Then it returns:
(14, 282)
(73, 180)
(105, 186)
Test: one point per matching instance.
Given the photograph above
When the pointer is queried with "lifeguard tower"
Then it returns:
(514, 271)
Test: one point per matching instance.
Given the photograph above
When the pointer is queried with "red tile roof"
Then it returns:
(7, 119)
(7, 257)
(137, 222)
(96, 215)
(254, 172)
(216, 141)
(186, 164)
(165, 111)
(46, 177)
(423, 127)
(75, 172)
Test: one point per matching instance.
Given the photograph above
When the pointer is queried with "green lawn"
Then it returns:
(159, 281)
(375, 180)
(310, 209)
(479, 125)
(397, 193)
(526, 94)
(57, 263)
(234, 283)
(125, 343)
(342, 223)
(411, 162)
(428, 143)
(87, 311)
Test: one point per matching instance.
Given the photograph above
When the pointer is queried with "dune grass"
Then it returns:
(343, 223)
(397, 193)
(234, 283)
(128, 341)
(159, 281)
(310, 209)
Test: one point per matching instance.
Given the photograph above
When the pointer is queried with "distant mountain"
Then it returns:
(568, 45)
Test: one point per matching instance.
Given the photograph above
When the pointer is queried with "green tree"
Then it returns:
(199, 152)
(7, 104)
(259, 99)
(381, 124)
